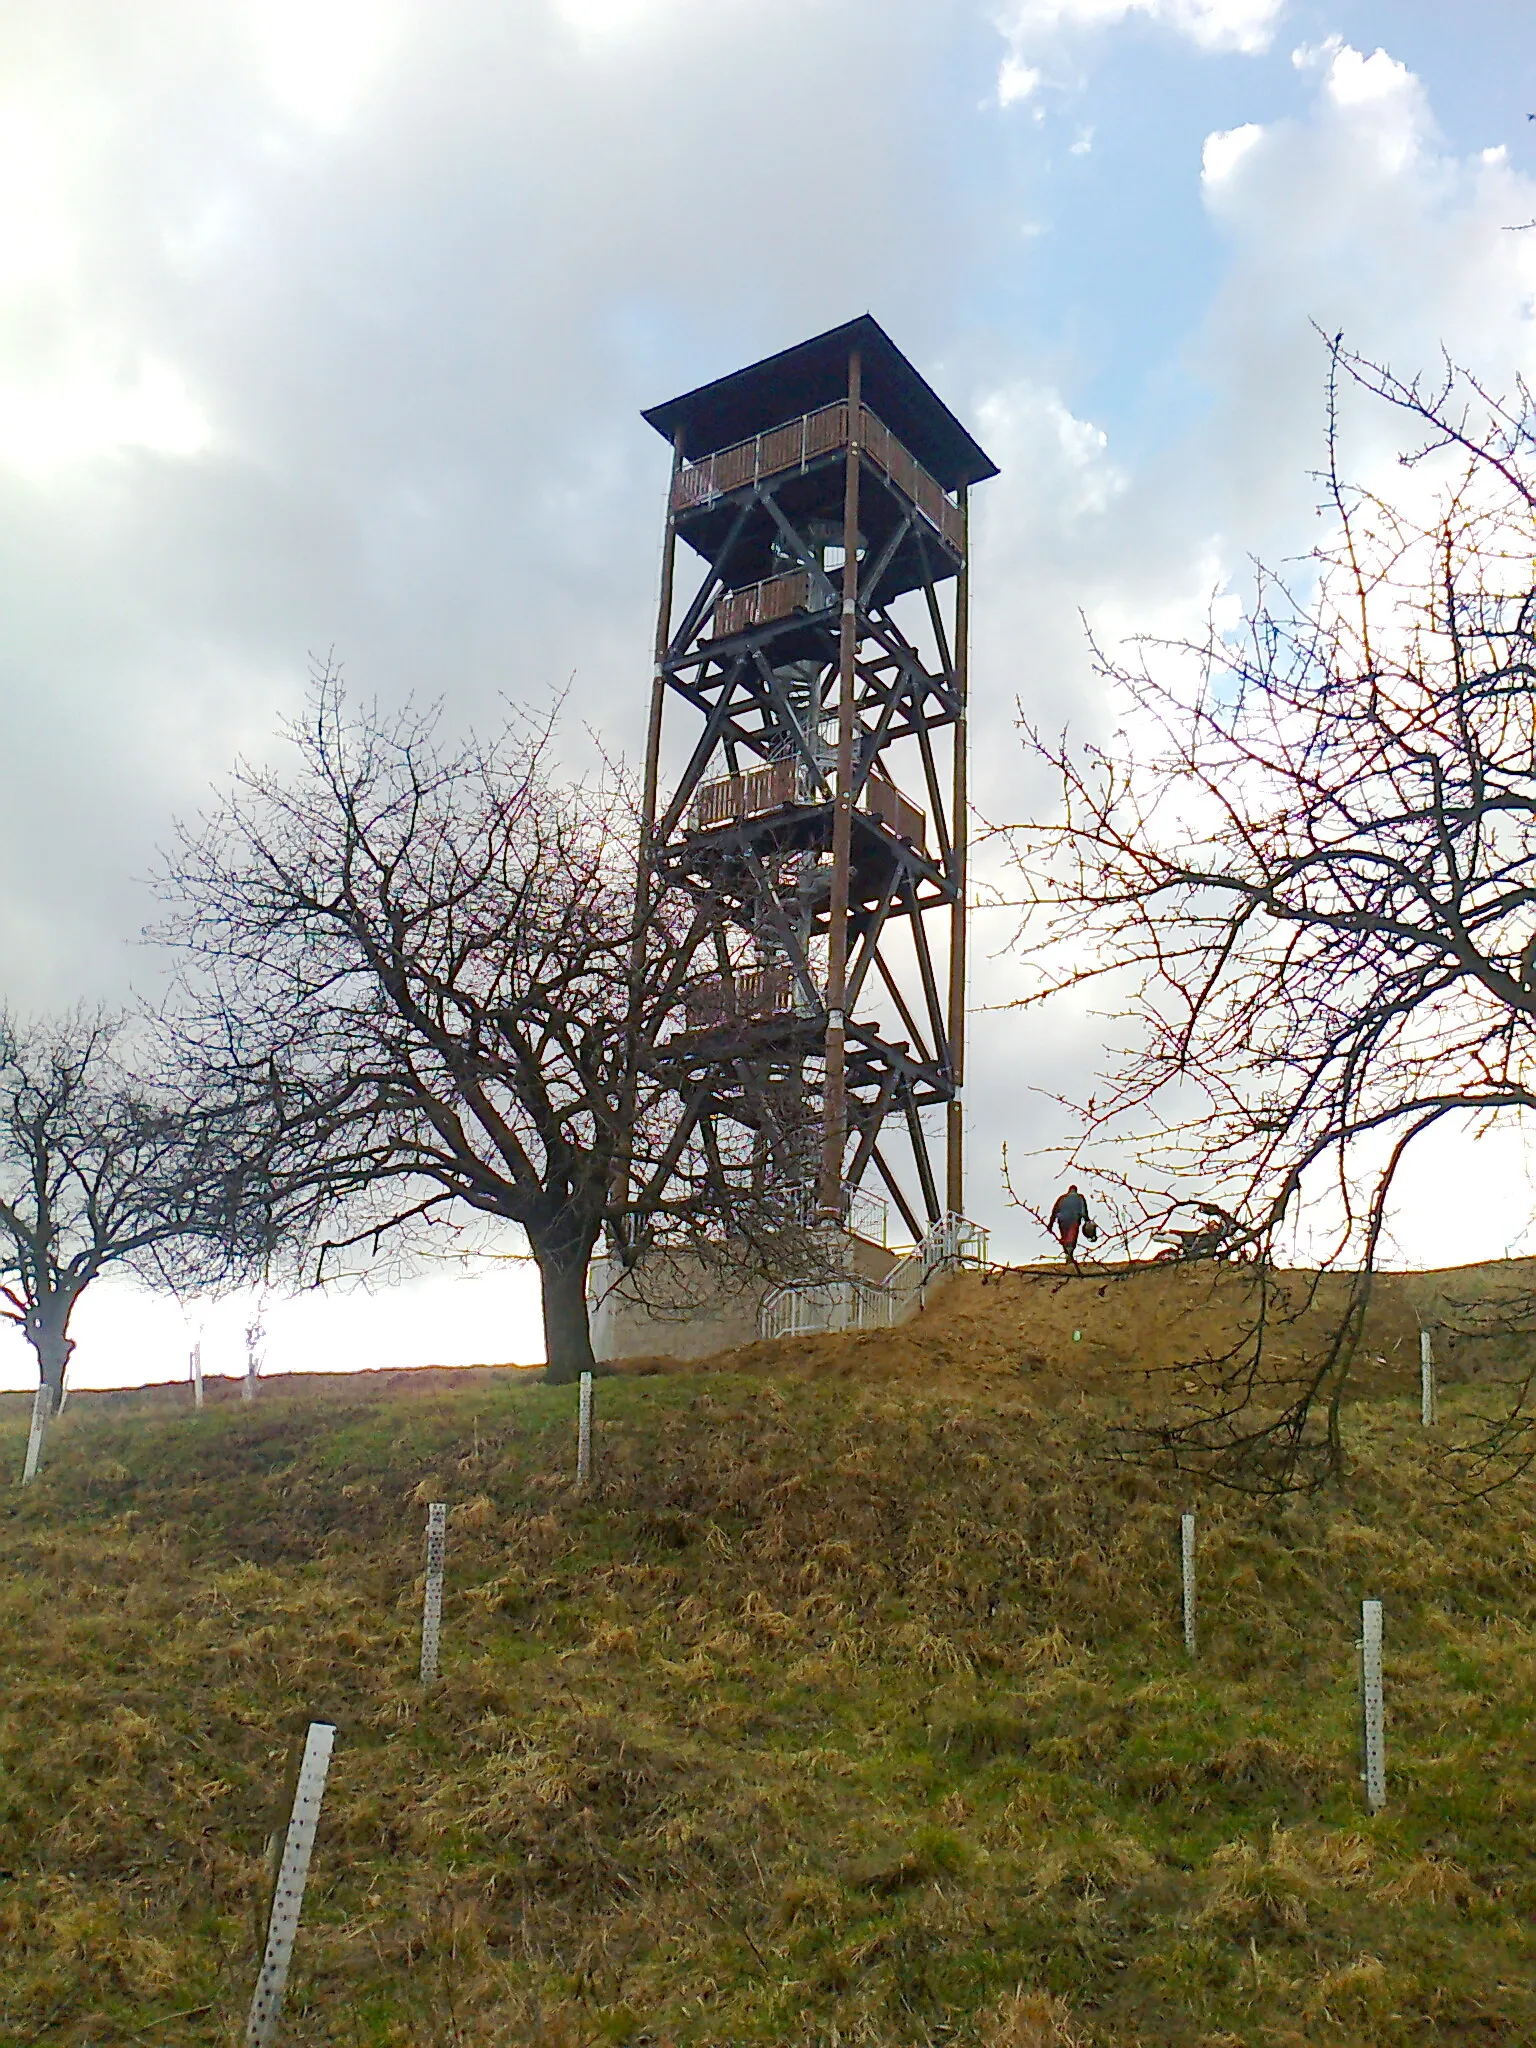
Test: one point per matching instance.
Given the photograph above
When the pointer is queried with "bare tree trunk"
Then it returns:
(46, 1328)
(563, 1256)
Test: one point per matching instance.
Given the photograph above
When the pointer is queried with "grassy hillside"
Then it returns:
(852, 1707)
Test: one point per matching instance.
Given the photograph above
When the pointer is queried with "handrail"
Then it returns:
(798, 1310)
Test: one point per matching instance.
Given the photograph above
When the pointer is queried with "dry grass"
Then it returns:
(850, 1709)
(1130, 1329)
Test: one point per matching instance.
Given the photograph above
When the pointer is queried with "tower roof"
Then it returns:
(814, 373)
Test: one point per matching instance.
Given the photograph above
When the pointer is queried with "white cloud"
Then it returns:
(45, 426)
(1356, 216)
(73, 384)
(609, 17)
(1030, 432)
(1034, 27)
(320, 57)
(1352, 217)
(36, 240)
(1354, 80)
(1225, 150)
(603, 25)
(341, 339)
(1307, 56)
(1015, 81)
(1385, 102)
(1247, 26)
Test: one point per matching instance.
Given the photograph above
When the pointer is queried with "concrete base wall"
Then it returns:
(691, 1307)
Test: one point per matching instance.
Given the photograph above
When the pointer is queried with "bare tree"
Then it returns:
(99, 1169)
(423, 970)
(1308, 854)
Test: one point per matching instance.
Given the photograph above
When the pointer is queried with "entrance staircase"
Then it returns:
(951, 1244)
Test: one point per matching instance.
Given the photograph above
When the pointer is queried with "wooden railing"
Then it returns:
(796, 444)
(731, 799)
(756, 992)
(897, 812)
(792, 446)
(912, 480)
(760, 603)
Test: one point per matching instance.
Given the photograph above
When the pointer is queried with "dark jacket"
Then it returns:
(1070, 1208)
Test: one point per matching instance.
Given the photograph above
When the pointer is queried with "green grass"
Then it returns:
(839, 1713)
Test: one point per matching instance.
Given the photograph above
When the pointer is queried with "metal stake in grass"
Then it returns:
(42, 1414)
(1187, 1560)
(196, 1365)
(432, 1599)
(288, 1896)
(1429, 1393)
(584, 1432)
(1373, 1713)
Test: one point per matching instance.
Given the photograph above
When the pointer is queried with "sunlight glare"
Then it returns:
(43, 428)
(320, 57)
(36, 245)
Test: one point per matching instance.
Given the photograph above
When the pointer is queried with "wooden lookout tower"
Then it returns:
(805, 784)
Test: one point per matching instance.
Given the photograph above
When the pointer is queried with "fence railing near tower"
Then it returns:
(951, 1243)
(828, 1305)
(797, 444)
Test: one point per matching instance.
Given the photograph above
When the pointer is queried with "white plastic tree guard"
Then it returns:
(288, 1897)
(584, 1432)
(1429, 1393)
(42, 1415)
(195, 1364)
(1372, 1703)
(432, 1598)
(1187, 1562)
(253, 1336)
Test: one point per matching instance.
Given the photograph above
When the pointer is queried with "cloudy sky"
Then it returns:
(325, 324)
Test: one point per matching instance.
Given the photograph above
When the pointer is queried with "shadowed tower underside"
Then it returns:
(805, 786)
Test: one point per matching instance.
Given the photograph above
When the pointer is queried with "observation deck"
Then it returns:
(799, 446)
(787, 421)
(779, 785)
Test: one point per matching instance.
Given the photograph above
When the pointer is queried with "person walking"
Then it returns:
(1067, 1219)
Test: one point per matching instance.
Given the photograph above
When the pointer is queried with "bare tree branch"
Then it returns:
(1306, 864)
(99, 1169)
(419, 968)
